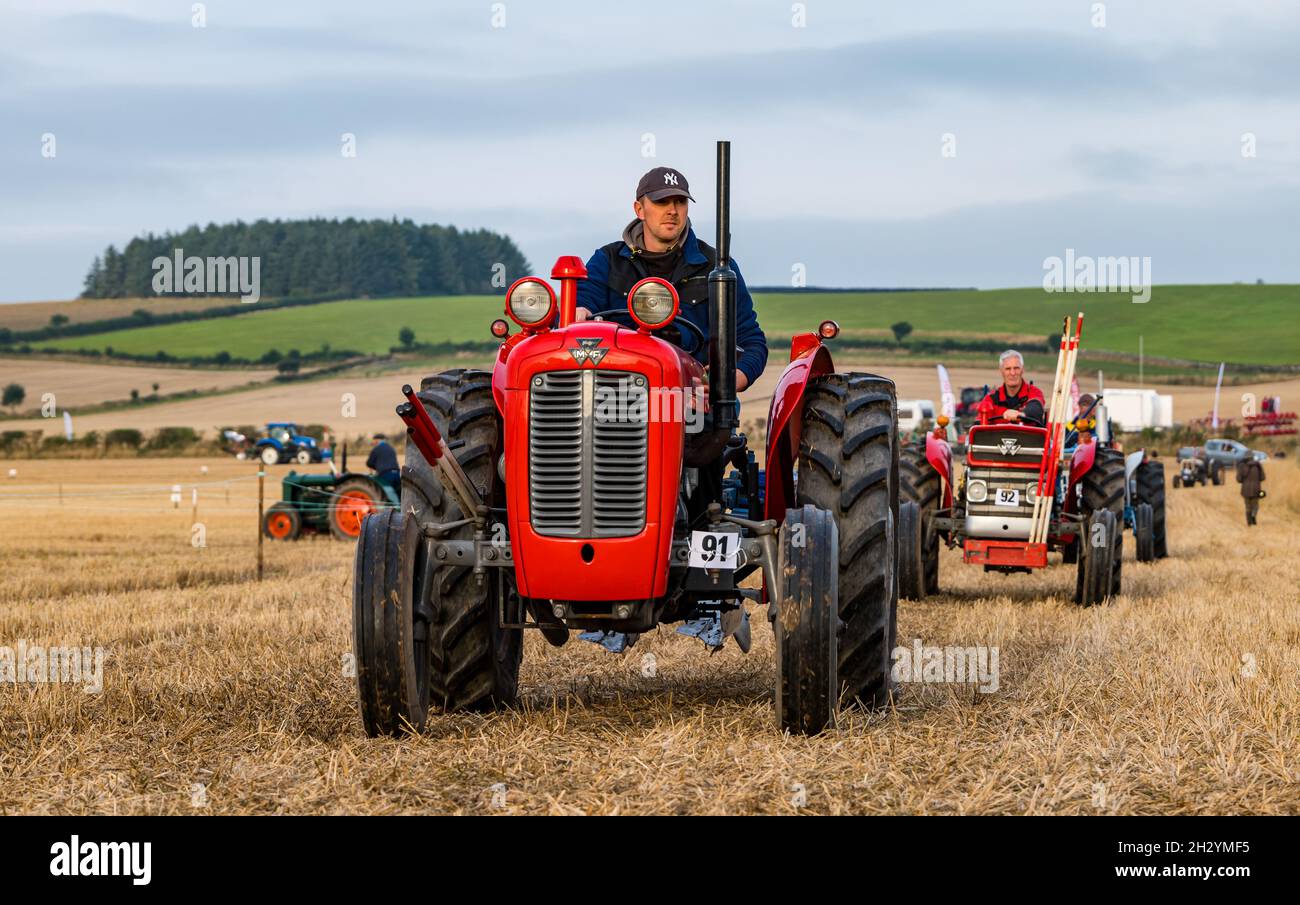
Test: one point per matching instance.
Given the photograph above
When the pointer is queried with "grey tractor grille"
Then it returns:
(1011, 478)
(587, 452)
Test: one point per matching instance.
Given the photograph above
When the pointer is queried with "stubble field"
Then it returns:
(223, 695)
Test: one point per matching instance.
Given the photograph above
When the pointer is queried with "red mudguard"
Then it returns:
(809, 358)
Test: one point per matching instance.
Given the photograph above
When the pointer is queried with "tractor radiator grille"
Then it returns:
(1016, 479)
(587, 453)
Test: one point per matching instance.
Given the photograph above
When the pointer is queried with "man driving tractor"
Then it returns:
(661, 243)
(1015, 401)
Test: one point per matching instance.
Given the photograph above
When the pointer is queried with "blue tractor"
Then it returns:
(284, 443)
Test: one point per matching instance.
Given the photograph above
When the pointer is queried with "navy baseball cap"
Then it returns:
(661, 183)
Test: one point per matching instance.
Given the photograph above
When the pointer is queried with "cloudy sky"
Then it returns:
(536, 118)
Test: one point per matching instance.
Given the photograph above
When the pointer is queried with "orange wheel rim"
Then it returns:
(279, 525)
(352, 509)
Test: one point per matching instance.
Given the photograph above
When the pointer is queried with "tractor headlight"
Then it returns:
(653, 302)
(1031, 492)
(530, 302)
(977, 491)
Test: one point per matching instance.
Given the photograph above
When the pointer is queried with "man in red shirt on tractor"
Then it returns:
(1015, 402)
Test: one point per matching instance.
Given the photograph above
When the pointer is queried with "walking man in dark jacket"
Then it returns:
(383, 462)
(1250, 475)
(661, 243)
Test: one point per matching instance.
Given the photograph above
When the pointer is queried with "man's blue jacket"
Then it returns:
(613, 270)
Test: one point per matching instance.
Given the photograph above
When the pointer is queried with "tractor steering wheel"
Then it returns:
(672, 331)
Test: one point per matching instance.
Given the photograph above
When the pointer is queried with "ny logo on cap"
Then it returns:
(670, 178)
(587, 351)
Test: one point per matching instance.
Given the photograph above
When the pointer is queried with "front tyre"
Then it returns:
(390, 625)
(807, 623)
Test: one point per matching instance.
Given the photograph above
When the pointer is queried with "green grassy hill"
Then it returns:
(1237, 323)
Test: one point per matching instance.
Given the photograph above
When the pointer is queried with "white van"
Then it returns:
(911, 412)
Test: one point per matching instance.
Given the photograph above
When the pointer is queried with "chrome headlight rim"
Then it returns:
(521, 285)
(977, 490)
(643, 292)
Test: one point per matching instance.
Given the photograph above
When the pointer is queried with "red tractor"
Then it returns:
(563, 490)
(992, 510)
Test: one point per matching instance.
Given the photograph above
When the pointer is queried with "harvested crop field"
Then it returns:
(223, 695)
(76, 383)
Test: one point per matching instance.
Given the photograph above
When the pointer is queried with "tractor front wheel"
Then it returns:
(282, 522)
(911, 570)
(1103, 491)
(1096, 559)
(391, 625)
(807, 622)
(919, 481)
(1144, 524)
(302, 457)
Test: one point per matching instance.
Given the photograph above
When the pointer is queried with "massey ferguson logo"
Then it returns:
(670, 178)
(1008, 446)
(588, 351)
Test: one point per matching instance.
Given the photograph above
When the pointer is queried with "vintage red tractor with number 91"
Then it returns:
(562, 491)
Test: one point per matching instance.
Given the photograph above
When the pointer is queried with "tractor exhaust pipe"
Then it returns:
(722, 311)
(724, 408)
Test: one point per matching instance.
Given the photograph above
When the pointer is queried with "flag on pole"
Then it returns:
(947, 402)
(1214, 416)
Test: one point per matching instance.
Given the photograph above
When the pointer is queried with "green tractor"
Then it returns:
(337, 502)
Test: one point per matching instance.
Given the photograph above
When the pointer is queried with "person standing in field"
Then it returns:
(383, 462)
(1250, 475)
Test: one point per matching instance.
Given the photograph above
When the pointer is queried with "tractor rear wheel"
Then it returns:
(353, 500)
(475, 660)
(1144, 529)
(919, 481)
(1096, 559)
(1103, 490)
(849, 466)
(282, 522)
(390, 625)
(807, 623)
(270, 455)
(1150, 481)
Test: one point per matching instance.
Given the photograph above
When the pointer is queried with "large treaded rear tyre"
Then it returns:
(919, 481)
(1103, 490)
(807, 622)
(849, 466)
(390, 625)
(475, 662)
(1150, 484)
